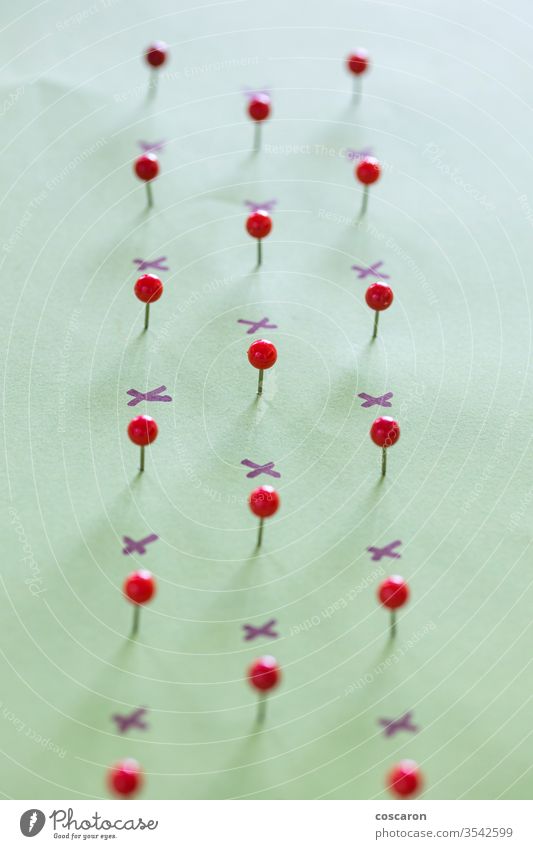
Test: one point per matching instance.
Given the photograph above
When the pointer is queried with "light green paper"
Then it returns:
(446, 109)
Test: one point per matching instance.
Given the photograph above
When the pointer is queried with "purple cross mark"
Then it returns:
(391, 726)
(267, 205)
(153, 263)
(352, 154)
(258, 469)
(266, 630)
(387, 551)
(257, 325)
(152, 395)
(251, 92)
(139, 546)
(152, 147)
(370, 271)
(378, 401)
(133, 720)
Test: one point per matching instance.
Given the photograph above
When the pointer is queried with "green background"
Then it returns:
(447, 109)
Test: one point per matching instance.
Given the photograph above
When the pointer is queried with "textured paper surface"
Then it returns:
(446, 108)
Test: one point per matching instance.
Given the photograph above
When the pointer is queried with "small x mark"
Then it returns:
(260, 469)
(152, 395)
(378, 401)
(370, 271)
(153, 263)
(387, 551)
(391, 726)
(267, 205)
(133, 720)
(257, 325)
(139, 546)
(352, 154)
(266, 630)
(151, 147)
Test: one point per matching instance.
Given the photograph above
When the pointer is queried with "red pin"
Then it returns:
(262, 354)
(142, 430)
(379, 297)
(405, 779)
(259, 110)
(259, 225)
(264, 502)
(125, 778)
(146, 167)
(156, 55)
(148, 289)
(358, 64)
(139, 587)
(367, 171)
(263, 674)
(393, 593)
(384, 432)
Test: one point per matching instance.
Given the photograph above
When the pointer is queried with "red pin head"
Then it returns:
(156, 54)
(368, 170)
(264, 501)
(404, 779)
(258, 110)
(142, 430)
(139, 586)
(259, 224)
(148, 289)
(358, 61)
(264, 673)
(125, 778)
(146, 167)
(259, 107)
(384, 432)
(379, 296)
(393, 592)
(262, 354)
